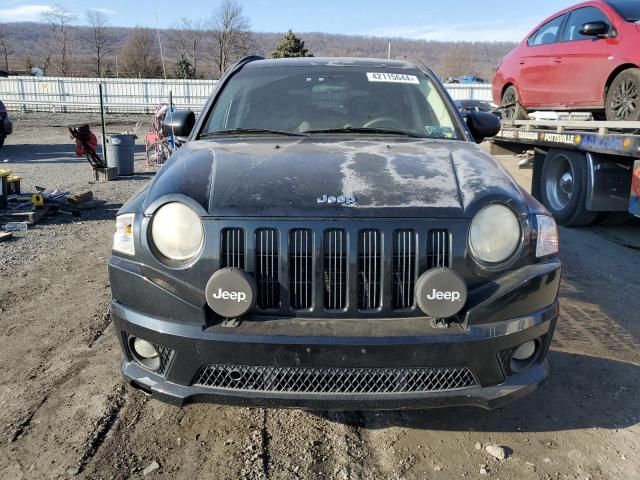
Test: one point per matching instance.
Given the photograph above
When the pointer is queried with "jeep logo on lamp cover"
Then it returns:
(441, 293)
(231, 292)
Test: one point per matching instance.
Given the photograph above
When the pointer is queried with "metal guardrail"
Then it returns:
(126, 95)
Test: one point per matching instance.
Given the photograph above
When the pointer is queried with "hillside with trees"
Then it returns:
(81, 44)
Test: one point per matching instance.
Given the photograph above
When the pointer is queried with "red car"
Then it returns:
(584, 58)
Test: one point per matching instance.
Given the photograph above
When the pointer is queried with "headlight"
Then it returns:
(177, 231)
(123, 238)
(495, 234)
(547, 243)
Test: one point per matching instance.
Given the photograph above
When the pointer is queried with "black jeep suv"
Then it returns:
(330, 236)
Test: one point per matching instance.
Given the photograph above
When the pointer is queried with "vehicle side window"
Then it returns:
(548, 33)
(578, 18)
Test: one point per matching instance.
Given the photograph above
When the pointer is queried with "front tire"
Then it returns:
(510, 105)
(563, 188)
(623, 97)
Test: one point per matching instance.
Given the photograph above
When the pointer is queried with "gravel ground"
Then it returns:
(44, 155)
(65, 412)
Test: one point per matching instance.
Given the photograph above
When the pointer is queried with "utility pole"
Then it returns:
(389, 52)
(117, 73)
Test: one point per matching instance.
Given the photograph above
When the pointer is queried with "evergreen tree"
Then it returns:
(291, 46)
(28, 65)
(107, 72)
(183, 68)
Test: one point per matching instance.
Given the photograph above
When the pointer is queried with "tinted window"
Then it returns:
(627, 9)
(302, 99)
(548, 33)
(578, 18)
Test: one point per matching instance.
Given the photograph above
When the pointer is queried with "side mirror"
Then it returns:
(595, 29)
(179, 123)
(483, 125)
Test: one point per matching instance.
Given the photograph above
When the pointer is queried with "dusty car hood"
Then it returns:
(285, 177)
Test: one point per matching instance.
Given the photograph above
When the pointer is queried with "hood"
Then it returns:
(285, 178)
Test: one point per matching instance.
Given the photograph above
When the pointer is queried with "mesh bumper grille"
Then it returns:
(334, 380)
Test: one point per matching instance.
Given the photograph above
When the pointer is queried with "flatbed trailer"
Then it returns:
(580, 168)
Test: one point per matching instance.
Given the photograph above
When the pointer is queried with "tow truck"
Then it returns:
(581, 168)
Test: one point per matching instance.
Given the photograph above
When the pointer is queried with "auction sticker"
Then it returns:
(392, 78)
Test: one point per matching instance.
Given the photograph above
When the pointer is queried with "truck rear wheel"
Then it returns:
(563, 187)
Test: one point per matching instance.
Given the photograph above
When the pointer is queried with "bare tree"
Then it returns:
(5, 46)
(140, 56)
(230, 33)
(457, 60)
(187, 38)
(60, 19)
(101, 39)
(44, 65)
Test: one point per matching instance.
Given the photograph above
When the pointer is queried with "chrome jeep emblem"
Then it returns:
(342, 199)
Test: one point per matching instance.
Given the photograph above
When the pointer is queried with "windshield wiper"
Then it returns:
(384, 131)
(250, 131)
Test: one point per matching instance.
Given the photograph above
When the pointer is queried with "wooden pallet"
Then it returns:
(31, 216)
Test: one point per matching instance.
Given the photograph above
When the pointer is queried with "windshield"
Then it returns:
(308, 100)
(627, 9)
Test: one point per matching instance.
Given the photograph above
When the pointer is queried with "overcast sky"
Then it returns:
(414, 19)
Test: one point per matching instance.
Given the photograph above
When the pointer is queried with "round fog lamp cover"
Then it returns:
(441, 292)
(231, 292)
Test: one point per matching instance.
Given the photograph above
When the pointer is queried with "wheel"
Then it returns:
(623, 97)
(511, 108)
(563, 187)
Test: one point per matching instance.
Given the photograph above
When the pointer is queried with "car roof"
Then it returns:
(332, 61)
(601, 3)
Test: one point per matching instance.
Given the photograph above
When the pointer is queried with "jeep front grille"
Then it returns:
(301, 269)
(353, 271)
(267, 265)
(334, 380)
(233, 248)
(404, 269)
(335, 269)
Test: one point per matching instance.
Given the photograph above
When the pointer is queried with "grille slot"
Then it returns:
(233, 248)
(301, 268)
(335, 269)
(438, 249)
(404, 269)
(369, 269)
(334, 380)
(267, 265)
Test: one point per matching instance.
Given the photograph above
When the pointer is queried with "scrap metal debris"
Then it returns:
(21, 209)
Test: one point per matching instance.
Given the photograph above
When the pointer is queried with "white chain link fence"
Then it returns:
(127, 95)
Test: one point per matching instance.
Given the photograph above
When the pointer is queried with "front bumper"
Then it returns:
(337, 363)
(187, 349)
